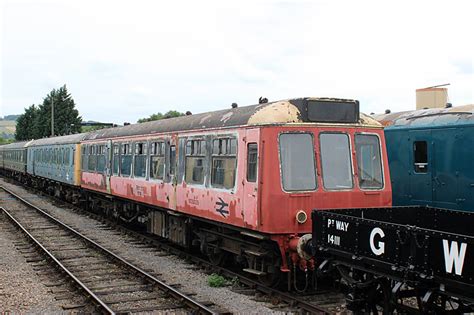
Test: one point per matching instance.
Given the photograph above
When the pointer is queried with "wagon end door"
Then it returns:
(252, 166)
(420, 169)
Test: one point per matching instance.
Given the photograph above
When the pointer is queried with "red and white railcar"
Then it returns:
(240, 182)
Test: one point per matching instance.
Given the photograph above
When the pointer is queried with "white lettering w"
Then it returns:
(452, 255)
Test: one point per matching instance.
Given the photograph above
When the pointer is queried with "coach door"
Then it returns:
(172, 161)
(252, 168)
(421, 167)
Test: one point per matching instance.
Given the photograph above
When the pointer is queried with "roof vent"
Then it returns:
(234, 105)
(262, 100)
(449, 105)
(388, 111)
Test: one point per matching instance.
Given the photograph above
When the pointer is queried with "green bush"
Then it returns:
(216, 281)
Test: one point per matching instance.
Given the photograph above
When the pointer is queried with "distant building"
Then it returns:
(432, 97)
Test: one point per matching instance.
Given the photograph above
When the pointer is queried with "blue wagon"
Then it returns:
(431, 155)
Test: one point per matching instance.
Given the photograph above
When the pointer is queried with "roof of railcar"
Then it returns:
(279, 112)
(69, 139)
(427, 118)
(15, 145)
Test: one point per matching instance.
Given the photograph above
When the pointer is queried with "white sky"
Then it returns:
(123, 60)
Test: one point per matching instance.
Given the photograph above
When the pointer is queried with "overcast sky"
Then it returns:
(123, 60)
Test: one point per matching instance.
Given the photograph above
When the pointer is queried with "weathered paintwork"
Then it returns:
(448, 181)
(13, 156)
(262, 207)
(66, 168)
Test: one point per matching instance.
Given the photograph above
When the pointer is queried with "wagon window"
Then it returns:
(101, 158)
(252, 155)
(420, 153)
(116, 159)
(195, 159)
(224, 162)
(369, 164)
(157, 160)
(336, 161)
(125, 159)
(139, 166)
(298, 172)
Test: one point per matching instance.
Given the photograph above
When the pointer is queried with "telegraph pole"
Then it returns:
(52, 115)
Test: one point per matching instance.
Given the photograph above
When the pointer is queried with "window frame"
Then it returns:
(415, 164)
(199, 155)
(381, 160)
(227, 155)
(161, 144)
(144, 153)
(311, 133)
(122, 155)
(351, 161)
(248, 163)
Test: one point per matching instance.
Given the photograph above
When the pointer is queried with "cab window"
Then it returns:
(336, 161)
(369, 165)
(298, 172)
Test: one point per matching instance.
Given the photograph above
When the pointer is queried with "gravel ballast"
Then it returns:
(21, 290)
(171, 269)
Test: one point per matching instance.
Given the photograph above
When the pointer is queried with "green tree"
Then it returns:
(159, 116)
(66, 117)
(25, 124)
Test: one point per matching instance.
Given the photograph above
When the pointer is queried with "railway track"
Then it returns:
(109, 282)
(321, 302)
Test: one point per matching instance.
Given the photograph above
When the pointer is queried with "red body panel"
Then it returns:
(261, 206)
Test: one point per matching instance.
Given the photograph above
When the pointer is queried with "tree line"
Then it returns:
(35, 122)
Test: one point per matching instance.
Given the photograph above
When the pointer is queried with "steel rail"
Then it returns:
(191, 303)
(96, 299)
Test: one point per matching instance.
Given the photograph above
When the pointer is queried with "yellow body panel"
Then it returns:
(77, 165)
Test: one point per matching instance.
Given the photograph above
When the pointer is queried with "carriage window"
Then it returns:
(195, 157)
(252, 162)
(116, 159)
(92, 158)
(125, 159)
(101, 158)
(84, 157)
(336, 161)
(157, 160)
(420, 152)
(139, 166)
(172, 159)
(224, 160)
(298, 171)
(369, 163)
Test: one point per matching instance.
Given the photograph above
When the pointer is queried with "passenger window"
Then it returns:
(336, 161)
(224, 160)
(298, 172)
(101, 158)
(116, 159)
(84, 149)
(157, 160)
(125, 160)
(139, 167)
(252, 155)
(195, 157)
(172, 159)
(420, 153)
(92, 158)
(369, 163)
